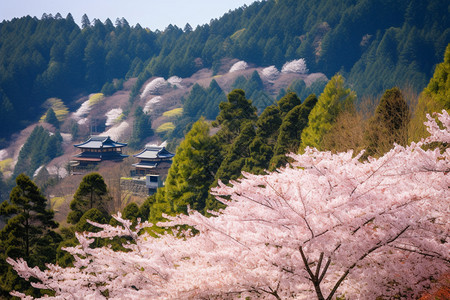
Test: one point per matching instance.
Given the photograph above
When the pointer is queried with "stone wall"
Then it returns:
(136, 187)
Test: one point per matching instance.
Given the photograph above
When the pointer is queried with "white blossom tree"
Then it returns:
(154, 87)
(329, 225)
(270, 73)
(239, 66)
(295, 66)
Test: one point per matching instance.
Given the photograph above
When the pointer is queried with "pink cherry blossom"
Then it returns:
(329, 225)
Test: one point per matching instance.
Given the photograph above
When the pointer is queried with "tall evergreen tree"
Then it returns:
(238, 153)
(28, 233)
(91, 193)
(50, 117)
(334, 99)
(289, 135)
(233, 115)
(193, 170)
(434, 98)
(142, 128)
(262, 145)
(389, 124)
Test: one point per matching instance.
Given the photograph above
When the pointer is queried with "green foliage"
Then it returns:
(233, 114)
(142, 128)
(288, 102)
(289, 136)
(50, 118)
(165, 128)
(52, 57)
(234, 161)
(91, 193)
(334, 99)
(28, 233)
(176, 112)
(262, 145)
(192, 171)
(131, 212)
(299, 87)
(435, 97)
(254, 90)
(389, 124)
(40, 148)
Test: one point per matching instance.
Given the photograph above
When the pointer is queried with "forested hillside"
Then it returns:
(374, 44)
(306, 165)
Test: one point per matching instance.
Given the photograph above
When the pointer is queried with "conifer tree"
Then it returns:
(91, 193)
(334, 99)
(434, 98)
(233, 115)
(261, 148)
(289, 136)
(193, 170)
(142, 128)
(27, 233)
(237, 155)
(50, 118)
(288, 102)
(389, 124)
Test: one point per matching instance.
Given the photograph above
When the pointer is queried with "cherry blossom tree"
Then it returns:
(295, 66)
(154, 87)
(270, 73)
(239, 66)
(327, 226)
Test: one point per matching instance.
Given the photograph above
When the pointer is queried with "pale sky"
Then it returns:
(148, 13)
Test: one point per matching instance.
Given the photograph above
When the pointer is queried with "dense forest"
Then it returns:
(393, 56)
(245, 144)
(375, 45)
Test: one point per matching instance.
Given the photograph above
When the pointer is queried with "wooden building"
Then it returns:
(153, 160)
(151, 170)
(97, 149)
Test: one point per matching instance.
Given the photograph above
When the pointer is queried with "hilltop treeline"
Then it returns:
(374, 44)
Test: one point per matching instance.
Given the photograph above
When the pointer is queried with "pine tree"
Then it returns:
(193, 170)
(91, 193)
(289, 136)
(238, 153)
(334, 99)
(261, 148)
(28, 232)
(434, 98)
(389, 124)
(50, 118)
(233, 115)
(142, 128)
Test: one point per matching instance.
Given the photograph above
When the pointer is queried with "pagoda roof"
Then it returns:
(146, 164)
(99, 142)
(154, 152)
(95, 157)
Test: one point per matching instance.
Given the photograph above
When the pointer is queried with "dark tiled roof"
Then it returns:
(153, 152)
(98, 142)
(96, 156)
(146, 164)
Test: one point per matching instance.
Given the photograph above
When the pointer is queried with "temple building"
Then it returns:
(97, 149)
(154, 160)
(150, 172)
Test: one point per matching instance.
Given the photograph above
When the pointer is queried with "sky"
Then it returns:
(154, 14)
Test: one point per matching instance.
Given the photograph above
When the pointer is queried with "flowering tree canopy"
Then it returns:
(154, 87)
(270, 73)
(329, 225)
(295, 66)
(239, 66)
